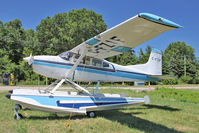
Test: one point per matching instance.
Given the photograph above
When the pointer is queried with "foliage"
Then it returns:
(128, 58)
(12, 40)
(143, 57)
(170, 81)
(6, 65)
(173, 59)
(64, 31)
(27, 72)
(197, 77)
(53, 36)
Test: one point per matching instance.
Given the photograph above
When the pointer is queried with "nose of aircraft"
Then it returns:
(26, 59)
(29, 59)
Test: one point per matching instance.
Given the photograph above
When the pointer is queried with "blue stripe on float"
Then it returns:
(78, 105)
(52, 101)
(55, 101)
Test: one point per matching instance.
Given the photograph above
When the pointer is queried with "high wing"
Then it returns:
(126, 35)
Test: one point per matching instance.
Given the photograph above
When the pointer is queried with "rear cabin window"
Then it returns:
(85, 61)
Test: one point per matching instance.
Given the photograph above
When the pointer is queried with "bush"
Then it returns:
(170, 81)
(188, 80)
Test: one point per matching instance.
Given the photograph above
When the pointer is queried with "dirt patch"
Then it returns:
(184, 128)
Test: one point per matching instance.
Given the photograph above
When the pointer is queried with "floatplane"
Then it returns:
(86, 62)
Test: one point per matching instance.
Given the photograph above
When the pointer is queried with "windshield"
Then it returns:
(66, 55)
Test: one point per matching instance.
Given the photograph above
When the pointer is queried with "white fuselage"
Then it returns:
(58, 68)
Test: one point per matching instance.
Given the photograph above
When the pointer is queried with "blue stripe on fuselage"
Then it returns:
(104, 71)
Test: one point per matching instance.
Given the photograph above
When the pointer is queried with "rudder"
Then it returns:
(153, 65)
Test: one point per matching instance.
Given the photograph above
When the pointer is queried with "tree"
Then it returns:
(31, 43)
(12, 40)
(65, 31)
(6, 65)
(144, 57)
(128, 58)
(173, 59)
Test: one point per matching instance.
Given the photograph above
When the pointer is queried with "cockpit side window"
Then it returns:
(77, 56)
(97, 63)
(105, 64)
(85, 61)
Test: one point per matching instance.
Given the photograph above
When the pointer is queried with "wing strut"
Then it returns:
(83, 53)
(72, 84)
(68, 78)
(58, 85)
(77, 87)
(96, 89)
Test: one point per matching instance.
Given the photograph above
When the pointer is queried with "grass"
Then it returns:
(170, 110)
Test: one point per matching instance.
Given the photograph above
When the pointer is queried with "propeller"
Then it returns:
(29, 59)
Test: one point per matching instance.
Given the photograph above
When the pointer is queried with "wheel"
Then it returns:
(20, 117)
(20, 107)
(91, 114)
(17, 107)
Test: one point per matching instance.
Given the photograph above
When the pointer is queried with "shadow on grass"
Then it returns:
(150, 106)
(55, 117)
(123, 118)
(136, 122)
(47, 117)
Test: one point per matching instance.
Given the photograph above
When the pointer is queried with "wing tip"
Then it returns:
(158, 19)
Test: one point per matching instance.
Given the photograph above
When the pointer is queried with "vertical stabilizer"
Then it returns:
(153, 66)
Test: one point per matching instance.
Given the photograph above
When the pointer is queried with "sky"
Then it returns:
(182, 12)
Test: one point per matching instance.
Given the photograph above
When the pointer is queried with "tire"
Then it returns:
(20, 107)
(91, 114)
(20, 117)
(17, 107)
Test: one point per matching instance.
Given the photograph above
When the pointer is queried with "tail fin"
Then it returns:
(153, 66)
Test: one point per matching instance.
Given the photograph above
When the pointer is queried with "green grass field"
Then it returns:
(170, 110)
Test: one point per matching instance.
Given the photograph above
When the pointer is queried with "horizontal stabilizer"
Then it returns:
(162, 76)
